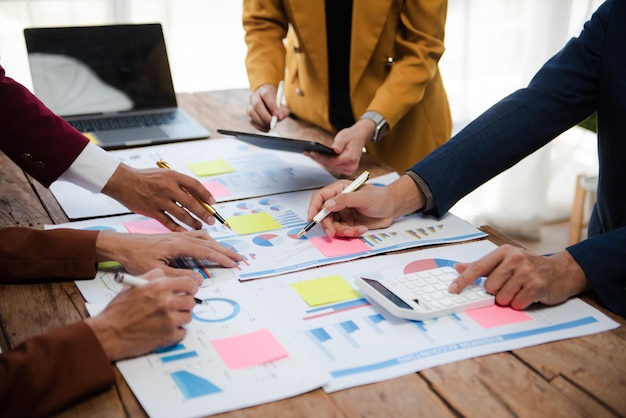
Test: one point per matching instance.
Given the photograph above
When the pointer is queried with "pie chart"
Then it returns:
(267, 240)
(427, 264)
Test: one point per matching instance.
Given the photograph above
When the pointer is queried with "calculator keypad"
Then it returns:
(428, 291)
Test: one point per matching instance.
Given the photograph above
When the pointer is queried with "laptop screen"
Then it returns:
(100, 69)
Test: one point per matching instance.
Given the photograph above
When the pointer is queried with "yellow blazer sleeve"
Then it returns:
(265, 24)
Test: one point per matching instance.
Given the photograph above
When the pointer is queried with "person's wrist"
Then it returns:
(106, 336)
(407, 197)
(107, 246)
(380, 124)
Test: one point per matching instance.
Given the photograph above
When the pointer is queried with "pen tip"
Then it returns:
(302, 232)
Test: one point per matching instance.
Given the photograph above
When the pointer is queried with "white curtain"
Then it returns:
(540, 188)
(493, 47)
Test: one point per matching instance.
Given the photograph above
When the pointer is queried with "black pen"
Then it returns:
(131, 280)
(358, 182)
(209, 208)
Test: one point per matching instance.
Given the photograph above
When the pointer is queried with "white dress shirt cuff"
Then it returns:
(92, 169)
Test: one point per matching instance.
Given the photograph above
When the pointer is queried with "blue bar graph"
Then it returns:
(193, 386)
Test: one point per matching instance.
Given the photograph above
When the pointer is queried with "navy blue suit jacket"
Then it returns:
(588, 75)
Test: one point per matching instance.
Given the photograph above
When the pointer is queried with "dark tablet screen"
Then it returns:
(278, 143)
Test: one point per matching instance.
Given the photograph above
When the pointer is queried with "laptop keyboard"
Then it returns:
(124, 122)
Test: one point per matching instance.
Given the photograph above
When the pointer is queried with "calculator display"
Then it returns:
(387, 293)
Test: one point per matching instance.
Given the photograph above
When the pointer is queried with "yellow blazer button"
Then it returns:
(26, 157)
(299, 92)
(39, 165)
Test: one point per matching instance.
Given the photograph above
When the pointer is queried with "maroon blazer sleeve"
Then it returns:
(60, 254)
(37, 140)
(51, 372)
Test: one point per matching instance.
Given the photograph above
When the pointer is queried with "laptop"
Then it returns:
(113, 83)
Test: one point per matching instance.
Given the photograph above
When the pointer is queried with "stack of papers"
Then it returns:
(296, 329)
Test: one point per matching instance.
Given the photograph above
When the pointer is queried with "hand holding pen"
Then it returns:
(133, 281)
(358, 182)
(208, 207)
(279, 100)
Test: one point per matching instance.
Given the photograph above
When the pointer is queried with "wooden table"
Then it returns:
(577, 377)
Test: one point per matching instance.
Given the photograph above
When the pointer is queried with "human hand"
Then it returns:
(348, 144)
(369, 207)
(139, 253)
(519, 278)
(143, 318)
(262, 106)
(352, 213)
(159, 193)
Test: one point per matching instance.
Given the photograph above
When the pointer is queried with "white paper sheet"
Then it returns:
(359, 343)
(200, 377)
(279, 250)
(258, 172)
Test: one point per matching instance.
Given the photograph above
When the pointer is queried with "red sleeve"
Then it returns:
(51, 372)
(37, 140)
(60, 254)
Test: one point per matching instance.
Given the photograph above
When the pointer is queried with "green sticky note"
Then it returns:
(104, 265)
(252, 223)
(211, 168)
(325, 290)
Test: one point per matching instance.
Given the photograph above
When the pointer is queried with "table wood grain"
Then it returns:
(576, 377)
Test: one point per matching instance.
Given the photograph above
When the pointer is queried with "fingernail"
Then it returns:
(453, 287)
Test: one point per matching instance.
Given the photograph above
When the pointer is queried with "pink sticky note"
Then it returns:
(334, 247)
(495, 316)
(146, 226)
(249, 350)
(216, 188)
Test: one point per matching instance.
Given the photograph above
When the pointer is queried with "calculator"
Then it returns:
(424, 295)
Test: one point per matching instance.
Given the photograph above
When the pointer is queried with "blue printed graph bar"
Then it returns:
(193, 386)
(336, 308)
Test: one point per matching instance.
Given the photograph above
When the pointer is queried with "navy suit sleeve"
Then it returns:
(602, 259)
(587, 75)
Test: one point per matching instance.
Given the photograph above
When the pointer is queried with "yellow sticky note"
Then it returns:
(91, 137)
(252, 223)
(211, 168)
(325, 290)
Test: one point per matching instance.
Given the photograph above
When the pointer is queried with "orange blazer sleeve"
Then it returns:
(60, 254)
(48, 373)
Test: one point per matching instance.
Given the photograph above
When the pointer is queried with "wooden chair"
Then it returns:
(584, 199)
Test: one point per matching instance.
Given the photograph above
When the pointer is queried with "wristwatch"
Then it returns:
(381, 124)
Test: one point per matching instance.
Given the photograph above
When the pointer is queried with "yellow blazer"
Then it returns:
(394, 54)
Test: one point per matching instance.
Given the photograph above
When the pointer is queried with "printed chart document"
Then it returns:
(265, 234)
(230, 169)
(234, 355)
(359, 343)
